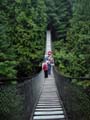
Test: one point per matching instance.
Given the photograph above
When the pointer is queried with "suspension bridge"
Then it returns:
(49, 105)
(52, 98)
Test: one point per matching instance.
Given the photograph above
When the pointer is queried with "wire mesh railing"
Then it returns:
(17, 102)
(76, 102)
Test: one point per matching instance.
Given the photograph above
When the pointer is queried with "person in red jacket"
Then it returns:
(45, 69)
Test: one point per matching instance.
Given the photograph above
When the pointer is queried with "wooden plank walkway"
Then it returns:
(49, 106)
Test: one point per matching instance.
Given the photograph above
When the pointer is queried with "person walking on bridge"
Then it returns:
(50, 63)
(49, 67)
(45, 69)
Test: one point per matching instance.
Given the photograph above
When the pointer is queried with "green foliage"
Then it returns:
(7, 69)
(74, 55)
(84, 83)
(7, 51)
(59, 12)
(22, 34)
(31, 24)
(10, 104)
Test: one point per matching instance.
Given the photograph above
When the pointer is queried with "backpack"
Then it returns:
(45, 66)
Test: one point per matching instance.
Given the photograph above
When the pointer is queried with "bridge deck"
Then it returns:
(49, 106)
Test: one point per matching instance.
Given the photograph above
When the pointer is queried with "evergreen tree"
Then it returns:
(74, 55)
(23, 26)
(59, 12)
(7, 51)
(79, 35)
(30, 29)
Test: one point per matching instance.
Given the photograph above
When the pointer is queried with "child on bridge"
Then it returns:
(45, 69)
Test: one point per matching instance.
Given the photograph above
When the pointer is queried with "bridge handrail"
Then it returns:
(28, 91)
(75, 100)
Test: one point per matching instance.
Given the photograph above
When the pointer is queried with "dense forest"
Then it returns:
(58, 12)
(22, 36)
(73, 54)
(23, 26)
